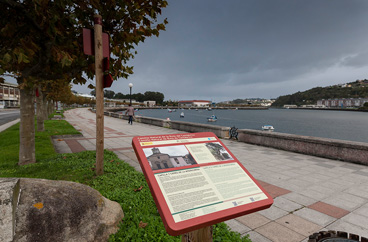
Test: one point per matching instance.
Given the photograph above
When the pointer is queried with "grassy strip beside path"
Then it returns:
(119, 182)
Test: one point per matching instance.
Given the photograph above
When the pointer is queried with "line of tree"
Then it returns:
(41, 47)
(147, 96)
(357, 89)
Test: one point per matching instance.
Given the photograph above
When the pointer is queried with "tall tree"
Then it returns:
(46, 44)
(109, 94)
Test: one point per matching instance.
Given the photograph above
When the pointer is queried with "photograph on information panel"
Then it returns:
(168, 157)
(208, 152)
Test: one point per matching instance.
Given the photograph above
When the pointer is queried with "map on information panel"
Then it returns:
(196, 181)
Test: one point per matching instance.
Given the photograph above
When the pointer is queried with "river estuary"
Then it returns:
(341, 125)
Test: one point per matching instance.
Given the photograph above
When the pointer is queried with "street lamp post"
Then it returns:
(130, 86)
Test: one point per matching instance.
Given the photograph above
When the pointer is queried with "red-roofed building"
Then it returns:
(194, 103)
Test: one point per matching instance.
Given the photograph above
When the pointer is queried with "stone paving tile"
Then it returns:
(315, 216)
(329, 209)
(325, 165)
(256, 237)
(290, 186)
(299, 225)
(363, 210)
(321, 189)
(286, 205)
(237, 226)
(300, 199)
(278, 233)
(253, 220)
(345, 201)
(356, 219)
(273, 213)
(341, 225)
(334, 186)
(359, 191)
(300, 183)
(61, 146)
(353, 167)
(74, 145)
(276, 191)
(314, 194)
(341, 181)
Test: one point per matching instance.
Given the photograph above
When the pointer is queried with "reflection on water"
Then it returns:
(328, 124)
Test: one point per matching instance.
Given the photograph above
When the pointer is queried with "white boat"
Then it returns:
(169, 110)
(267, 127)
(182, 115)
(209, 109)
(213, 118)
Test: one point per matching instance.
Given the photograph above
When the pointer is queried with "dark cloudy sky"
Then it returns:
(222, 50)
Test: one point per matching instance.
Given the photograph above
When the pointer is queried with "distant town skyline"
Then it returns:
(219, 51)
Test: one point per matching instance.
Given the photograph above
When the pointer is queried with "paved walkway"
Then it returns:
(311, 194)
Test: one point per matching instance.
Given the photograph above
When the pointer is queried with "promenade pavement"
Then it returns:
(311, 194)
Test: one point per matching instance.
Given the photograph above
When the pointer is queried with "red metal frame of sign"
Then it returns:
(185, 190)
(89, 46)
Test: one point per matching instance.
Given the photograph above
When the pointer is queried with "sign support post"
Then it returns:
(99, 94)
(199, 235)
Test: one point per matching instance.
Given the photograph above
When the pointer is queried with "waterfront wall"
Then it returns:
(219, 131)
(356, 152)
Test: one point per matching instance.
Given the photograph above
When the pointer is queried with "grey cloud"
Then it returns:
(252, 47)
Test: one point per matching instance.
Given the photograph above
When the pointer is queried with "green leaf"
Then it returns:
(7, 58)
(20, 58)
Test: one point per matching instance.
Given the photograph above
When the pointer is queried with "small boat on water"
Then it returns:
(169, 110)
(213, 118)
(182, 115)
(267, 128)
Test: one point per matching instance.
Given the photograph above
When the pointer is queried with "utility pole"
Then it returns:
(99, 95)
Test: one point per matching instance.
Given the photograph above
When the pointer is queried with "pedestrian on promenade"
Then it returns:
(130, 112)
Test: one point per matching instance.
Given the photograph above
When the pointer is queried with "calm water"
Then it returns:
(328, 124)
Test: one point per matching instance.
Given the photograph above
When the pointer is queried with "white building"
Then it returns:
(194, 103)
(343, 102)
(9, 95)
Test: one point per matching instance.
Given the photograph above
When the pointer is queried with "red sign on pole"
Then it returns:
(196, 181)
(88, 43)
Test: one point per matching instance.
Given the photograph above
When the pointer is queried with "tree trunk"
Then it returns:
(27, 152)
(45, 108)
(40, 111)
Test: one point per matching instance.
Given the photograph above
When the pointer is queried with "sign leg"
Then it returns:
(99, 96)
(200, 235)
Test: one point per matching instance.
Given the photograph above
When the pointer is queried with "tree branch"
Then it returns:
(19, 6)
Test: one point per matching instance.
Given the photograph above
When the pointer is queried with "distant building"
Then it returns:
(342, 102)
(150, 103)
(9, 95)
(290, 106)
(194, 103)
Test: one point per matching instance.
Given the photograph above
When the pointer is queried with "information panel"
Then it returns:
(196, 181)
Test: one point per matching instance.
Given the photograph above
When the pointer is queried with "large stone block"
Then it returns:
(62, 211)
(9, 194)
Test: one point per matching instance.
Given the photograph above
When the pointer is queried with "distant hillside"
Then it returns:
(357, 89)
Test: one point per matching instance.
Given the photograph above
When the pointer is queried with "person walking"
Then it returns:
(130, 112)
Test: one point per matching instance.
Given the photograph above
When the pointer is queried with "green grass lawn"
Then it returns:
(118, 182)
